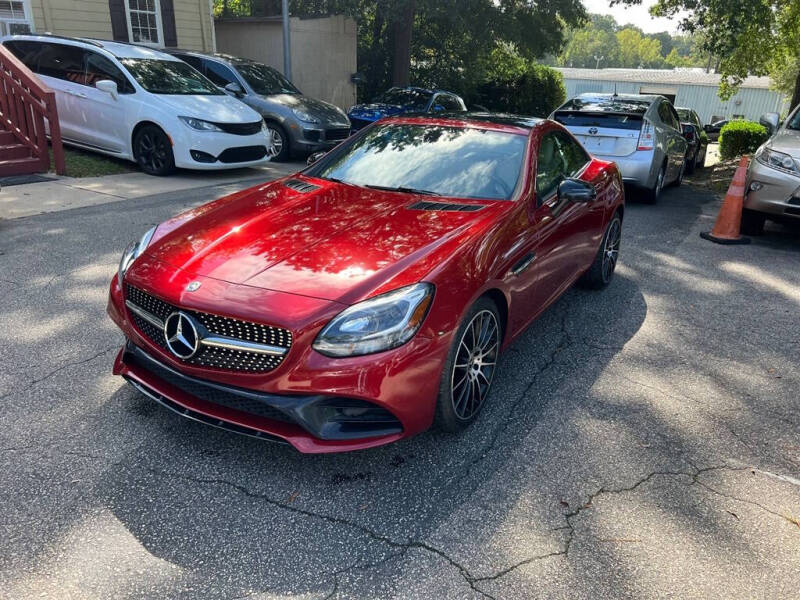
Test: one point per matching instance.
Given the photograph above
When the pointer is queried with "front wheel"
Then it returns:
(152, 150)
(278, 148)
(469, 369)
(752, 222)
(605, 261)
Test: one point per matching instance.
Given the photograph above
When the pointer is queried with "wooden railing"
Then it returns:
(25, 104)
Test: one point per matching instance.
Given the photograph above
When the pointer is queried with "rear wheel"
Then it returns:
(752, 222)
(692, 162)
(679, 180)
(469, 370)
(605, 261)
(152, 150)
(651, 195)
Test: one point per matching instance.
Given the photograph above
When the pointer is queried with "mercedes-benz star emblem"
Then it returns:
(181, 333)
(592, 130)
(193, 286)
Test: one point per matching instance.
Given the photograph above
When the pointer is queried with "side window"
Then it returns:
(550, 167)
(573, 154)
(449, 102)
(194, 61)
(27, 52)
(62, 62)
(219, 73)
(99, 67)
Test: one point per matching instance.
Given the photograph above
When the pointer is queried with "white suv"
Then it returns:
(140, 104)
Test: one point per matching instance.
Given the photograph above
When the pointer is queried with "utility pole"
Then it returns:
(287, 57)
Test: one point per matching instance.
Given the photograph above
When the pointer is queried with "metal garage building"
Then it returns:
(691, 88)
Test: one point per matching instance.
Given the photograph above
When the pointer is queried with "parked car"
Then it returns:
(696, 136)
(139, 104)
(397, 101)
(713, 129)
(641, 133)
(773, 177)
(297, 123)
(362, 300)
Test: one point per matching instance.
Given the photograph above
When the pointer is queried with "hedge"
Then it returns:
(741, 137)
(537, 91)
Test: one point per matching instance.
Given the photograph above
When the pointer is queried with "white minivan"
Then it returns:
(143, 105)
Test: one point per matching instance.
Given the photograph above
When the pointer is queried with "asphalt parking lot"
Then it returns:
(641, 442)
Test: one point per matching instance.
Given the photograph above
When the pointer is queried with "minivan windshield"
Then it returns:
(443, 161)
(169, 77)
(408, 98)
(265, 80)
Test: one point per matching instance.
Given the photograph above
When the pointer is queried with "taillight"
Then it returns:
(645, 136)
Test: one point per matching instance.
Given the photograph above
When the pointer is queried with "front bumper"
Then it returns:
(779, 192)
(636, 168)
(312, 138)
(315, 403)
(212, 150)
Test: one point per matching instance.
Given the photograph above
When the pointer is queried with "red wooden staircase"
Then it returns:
(25, 105)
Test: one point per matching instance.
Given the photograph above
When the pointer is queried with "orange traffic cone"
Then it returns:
(729, 219)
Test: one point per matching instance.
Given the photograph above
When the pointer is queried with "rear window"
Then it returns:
(611, 112)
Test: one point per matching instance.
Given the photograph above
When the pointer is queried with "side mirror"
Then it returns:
(108, 86)
(575, 190)
(770, 120)
(235, 89)
(315, 157)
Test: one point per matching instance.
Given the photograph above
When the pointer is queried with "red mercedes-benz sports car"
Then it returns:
(369, 296)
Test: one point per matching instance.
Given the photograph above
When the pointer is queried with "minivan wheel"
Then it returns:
(470, 366)
(278, 148)
(152, 150)
(651, 195)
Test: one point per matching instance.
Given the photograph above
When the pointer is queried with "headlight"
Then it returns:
(199, 124)
(777, 160)
(304, 116)
(132, 252)
(381, 323)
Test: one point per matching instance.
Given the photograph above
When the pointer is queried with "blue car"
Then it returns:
(397, 101)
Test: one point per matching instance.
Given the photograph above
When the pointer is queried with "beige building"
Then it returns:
(162, 23)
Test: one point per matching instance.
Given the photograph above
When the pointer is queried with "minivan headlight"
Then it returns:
(304, 116)
(380, 323)
(199, 124)
(132, 252)
(777, 160)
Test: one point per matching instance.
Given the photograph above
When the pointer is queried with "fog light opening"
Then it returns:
(755, 186)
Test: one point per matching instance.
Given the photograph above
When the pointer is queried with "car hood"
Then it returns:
(375, 111)
(338, 242)
(218, 109)
(787, 141)
(327, 113)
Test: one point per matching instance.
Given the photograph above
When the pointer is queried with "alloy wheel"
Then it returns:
(611, 249)
(474, 364)
(275, 142)
(153, 151)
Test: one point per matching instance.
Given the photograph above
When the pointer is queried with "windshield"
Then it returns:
(446, 161)
(265, 80)
(410, 98)
(794, 121)
(169, 77)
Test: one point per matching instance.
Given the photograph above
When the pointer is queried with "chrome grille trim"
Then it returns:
(234, 344)
(147, 316)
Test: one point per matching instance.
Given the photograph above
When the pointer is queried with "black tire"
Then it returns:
(692, 162)
(752, 222)
(152, 150)
(651, 196)
(701, 163)
(279, 149)
(601, 272)
(679, 179)
(470, 367)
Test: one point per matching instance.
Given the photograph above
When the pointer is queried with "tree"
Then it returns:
(750, 37)
(636, 50)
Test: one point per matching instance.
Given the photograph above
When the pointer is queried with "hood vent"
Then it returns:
(446, 206)
(301, 186)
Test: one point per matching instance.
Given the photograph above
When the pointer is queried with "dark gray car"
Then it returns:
(297, 123)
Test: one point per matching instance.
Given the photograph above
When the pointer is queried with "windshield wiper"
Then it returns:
(405, 190)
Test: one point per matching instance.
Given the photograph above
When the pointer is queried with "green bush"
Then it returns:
(741, 137)
(534, 90)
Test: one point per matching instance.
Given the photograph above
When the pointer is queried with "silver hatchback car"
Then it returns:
(641, 133)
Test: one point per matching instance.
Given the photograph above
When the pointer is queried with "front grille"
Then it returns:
(244, 400)
(242, 154)
(335, 135)
(209, 356)
(312, 135)
(241, 128)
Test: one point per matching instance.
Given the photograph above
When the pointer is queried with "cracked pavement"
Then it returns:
(640, 442)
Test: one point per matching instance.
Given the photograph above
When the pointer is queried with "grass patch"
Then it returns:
(90, 164)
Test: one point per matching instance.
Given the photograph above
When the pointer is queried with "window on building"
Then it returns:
(14, 17)
(144, 22)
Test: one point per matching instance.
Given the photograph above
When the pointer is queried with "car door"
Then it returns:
(102, 117)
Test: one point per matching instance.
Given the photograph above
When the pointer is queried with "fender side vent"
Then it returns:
(424, 205)
(301, 186)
